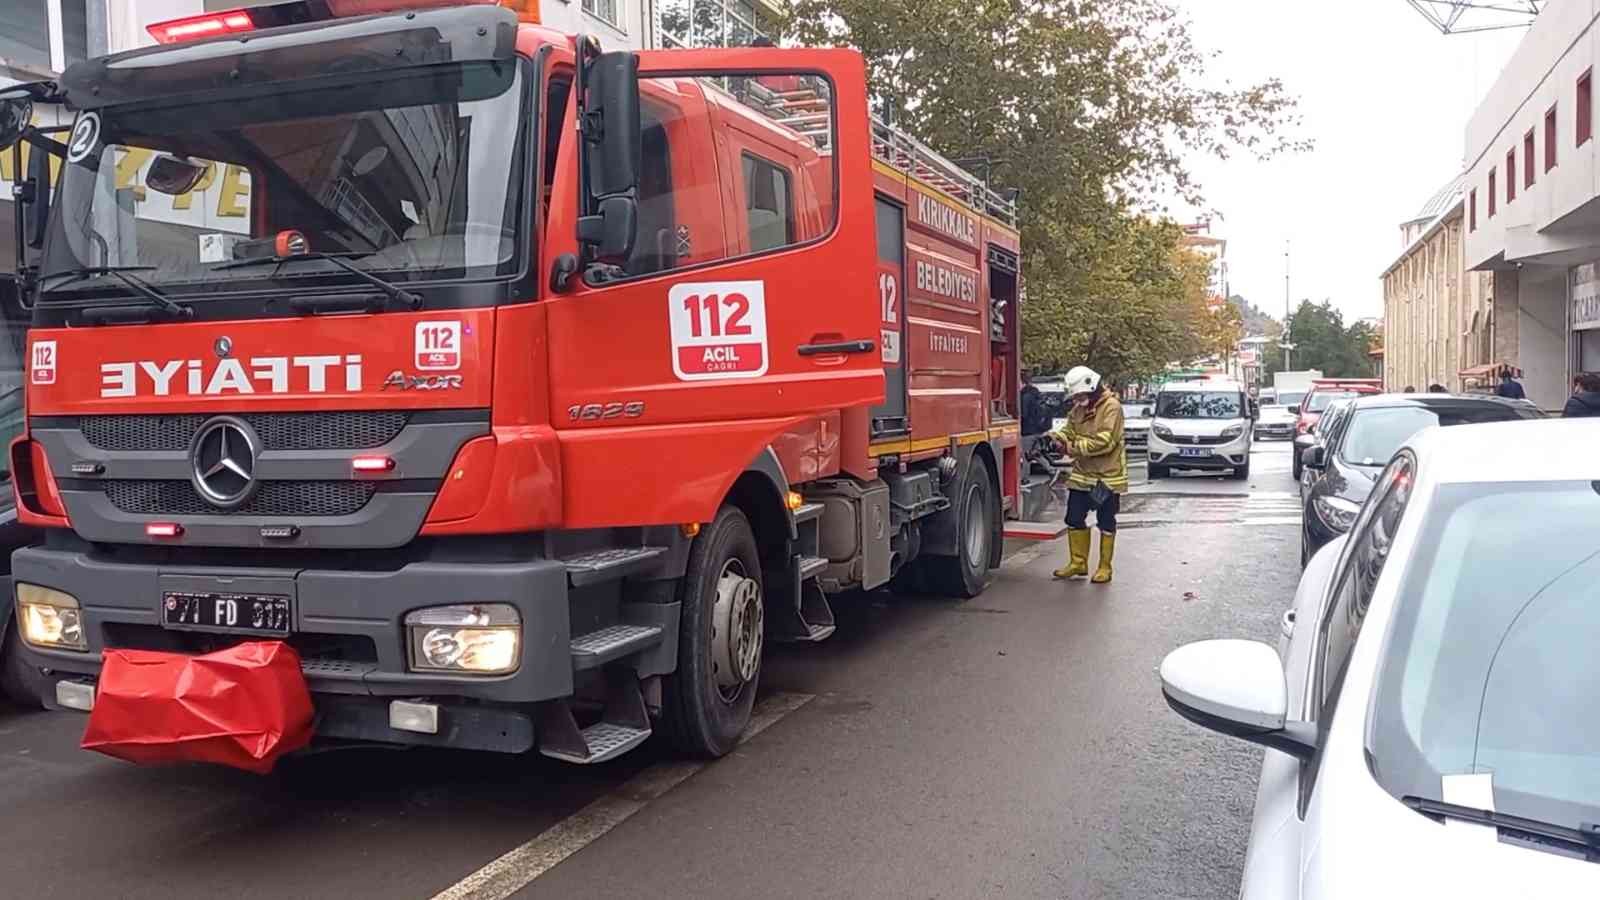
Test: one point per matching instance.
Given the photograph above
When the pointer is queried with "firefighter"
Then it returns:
(1092, 435)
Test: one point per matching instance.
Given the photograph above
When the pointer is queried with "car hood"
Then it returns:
(1136, 424)
(1277, 418)
(1197, 427)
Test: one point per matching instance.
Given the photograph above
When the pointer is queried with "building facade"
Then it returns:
(1532, 201)
(1438, 316)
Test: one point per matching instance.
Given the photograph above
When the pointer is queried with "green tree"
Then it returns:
(1089, 109)
(1322, 341)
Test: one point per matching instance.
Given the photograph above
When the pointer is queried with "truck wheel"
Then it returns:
(1242, 473)
(14, 671)
(967, 573)
(1295, 466)
(706, 702)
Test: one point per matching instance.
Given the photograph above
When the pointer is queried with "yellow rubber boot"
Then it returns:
(1078, 541)
(1108, 546)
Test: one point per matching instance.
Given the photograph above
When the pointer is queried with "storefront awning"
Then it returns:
(1489, 369)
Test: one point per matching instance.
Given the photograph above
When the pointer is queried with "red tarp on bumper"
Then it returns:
(243, 707)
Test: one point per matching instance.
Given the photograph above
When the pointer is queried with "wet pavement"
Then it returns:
(1015, 745)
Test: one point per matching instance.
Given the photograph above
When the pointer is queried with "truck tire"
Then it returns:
(966, 574)
(706, 702)
(1295, 466)
(1242, 473)
(14, 681)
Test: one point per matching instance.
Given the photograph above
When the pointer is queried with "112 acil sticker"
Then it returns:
(719, 329)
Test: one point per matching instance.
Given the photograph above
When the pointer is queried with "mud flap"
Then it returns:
(245, 706)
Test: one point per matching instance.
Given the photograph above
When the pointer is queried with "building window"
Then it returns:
(710, 23)
(1550, 138)
(607, 11)
(1585, 108)
(1511, 176)
(1527, 159)
(1491, 193)
(1472, 210)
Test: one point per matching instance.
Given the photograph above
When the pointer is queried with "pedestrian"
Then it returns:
(1508, 387)
(1409, 389)
(1585, 400)
(1093, 437)
(1035, 418)
(1437, 388)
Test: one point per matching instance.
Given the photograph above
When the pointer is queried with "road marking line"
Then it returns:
(518, 867)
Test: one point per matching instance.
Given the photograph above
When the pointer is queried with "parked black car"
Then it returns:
(1355, 447)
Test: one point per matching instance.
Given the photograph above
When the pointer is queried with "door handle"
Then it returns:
(836, 347)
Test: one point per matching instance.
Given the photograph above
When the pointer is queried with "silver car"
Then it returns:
(1430, 713)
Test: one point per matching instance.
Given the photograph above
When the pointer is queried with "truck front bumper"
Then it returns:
(348, 625)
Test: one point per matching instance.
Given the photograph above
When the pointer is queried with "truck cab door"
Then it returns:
(746, 298)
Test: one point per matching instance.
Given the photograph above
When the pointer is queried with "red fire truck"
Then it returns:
(524, 390)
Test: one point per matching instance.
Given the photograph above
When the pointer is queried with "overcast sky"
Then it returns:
(1385, 97)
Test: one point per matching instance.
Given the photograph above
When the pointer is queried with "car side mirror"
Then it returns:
(1235, 688)
(609, 121)
(1294, 410)
(1314, 457)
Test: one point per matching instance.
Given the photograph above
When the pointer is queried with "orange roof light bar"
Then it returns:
(194, 28)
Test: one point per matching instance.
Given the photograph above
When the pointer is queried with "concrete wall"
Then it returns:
(1542, 336)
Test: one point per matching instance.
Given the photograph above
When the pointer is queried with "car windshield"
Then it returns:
(1375, 434)
(1291, 398)
(1199, 405)
(1492, 666)
(1135, 410)
(1319, 401)
(414, 176)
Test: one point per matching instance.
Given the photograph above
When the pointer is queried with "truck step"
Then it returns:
(604, 740)
(807, 512)
(624, 725)
(811, 567)
(609, 565)
(600, 647)
(814, 633)
(809, 621)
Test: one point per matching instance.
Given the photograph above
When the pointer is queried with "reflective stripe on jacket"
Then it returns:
(1094, 439)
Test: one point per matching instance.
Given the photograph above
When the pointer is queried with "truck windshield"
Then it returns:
(1199, 405)
(414, 176)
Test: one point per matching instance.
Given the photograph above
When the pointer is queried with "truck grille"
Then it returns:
(278, 431)
(274, 498)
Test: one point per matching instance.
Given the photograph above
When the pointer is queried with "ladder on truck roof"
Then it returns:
(805, 110)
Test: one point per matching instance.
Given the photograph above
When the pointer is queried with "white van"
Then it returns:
(1201, 425)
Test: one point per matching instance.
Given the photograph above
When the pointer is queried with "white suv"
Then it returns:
(1201, 425)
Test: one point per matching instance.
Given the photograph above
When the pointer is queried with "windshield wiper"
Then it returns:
(393, 292)
(1586, 837)
(133, 282)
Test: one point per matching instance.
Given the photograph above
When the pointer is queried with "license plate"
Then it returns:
(1193, 451)
(216, 611)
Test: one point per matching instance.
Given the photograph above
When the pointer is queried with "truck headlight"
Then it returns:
(50, 619)
(1233, 431)
(1161, 431)
(478, 639)
(1336, 512)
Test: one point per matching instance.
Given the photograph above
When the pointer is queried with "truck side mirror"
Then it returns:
(611, 136)
(36, 211)
(15, 114)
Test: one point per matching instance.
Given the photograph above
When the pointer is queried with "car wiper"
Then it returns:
(133, 282)
(1585, 837)
(393, 292)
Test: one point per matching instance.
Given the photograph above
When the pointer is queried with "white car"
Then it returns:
(1201, 425)
(1431, 729)
(1275, 422)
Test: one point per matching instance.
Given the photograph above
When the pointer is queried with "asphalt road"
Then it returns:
(1011, 746)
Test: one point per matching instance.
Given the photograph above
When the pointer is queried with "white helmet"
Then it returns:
(1081, 380)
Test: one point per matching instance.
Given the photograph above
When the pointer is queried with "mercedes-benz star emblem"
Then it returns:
(224, 462)
(223, 346)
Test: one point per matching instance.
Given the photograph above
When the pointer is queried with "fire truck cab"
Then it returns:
(524, 390)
